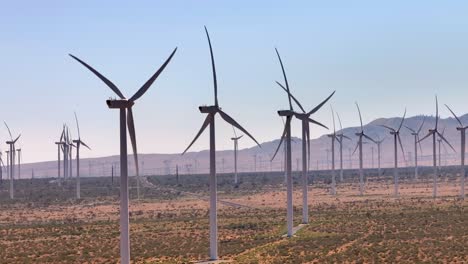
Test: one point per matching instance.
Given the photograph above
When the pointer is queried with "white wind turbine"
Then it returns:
(339, 138)
(415, 134)
(211, 111)
(305, 119)
(11, 143)
(126, 120)
(78, 143)
(333, 137)
(59, 147)
(396, 140)
(360, 135)
(434, 132)
(65, 146)
(462, 130)
(379, 142)
(70, 152)
(235, 139)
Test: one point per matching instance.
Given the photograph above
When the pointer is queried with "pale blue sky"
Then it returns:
(384, 54)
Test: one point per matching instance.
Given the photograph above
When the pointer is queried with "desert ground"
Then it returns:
(169, 224)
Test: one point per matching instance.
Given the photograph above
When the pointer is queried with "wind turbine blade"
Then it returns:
(215, 81)
(422, 124)
(285, 79)
(292, 96)
(321, 104)
(426, 136)
(317, 123)
(346, 137)
(9, 132)
(420, 147)
(148, 83)
(360, 117)
(402, 120)
(338, 139)
(410, 129)
(389, 128)
(445, 140)
(401, 146)
(282, 137)
(131, 132)
(445, 148)
(63, 133)
(84, 144)
(366, 136)
(207, 121)
(14, 141)
(339, 121)
(357, 145)
(77, 126)
(459, 122)
(234, 130)
(233, 122)
(100, 76)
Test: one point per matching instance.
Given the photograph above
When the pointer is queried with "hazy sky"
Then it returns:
(384, 54)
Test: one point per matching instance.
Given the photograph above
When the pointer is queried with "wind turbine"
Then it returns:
(78, 143)
(70, 147)
(462, 130)
(235, 139)
(59, 147)
(305, 119)
(11, 143)
(333, 137)
(379, 142)
(396, 140)
(211, 111)
(434, 132)
(65, 147)
(360, 135)
(415, 134)
(126, 120)
(339, 137)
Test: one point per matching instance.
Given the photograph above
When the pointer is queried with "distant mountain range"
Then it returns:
(258, 159)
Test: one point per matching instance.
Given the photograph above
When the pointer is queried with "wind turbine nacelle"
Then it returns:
(301, 116)
(119, 103)
(208, 109)
(285, 113)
